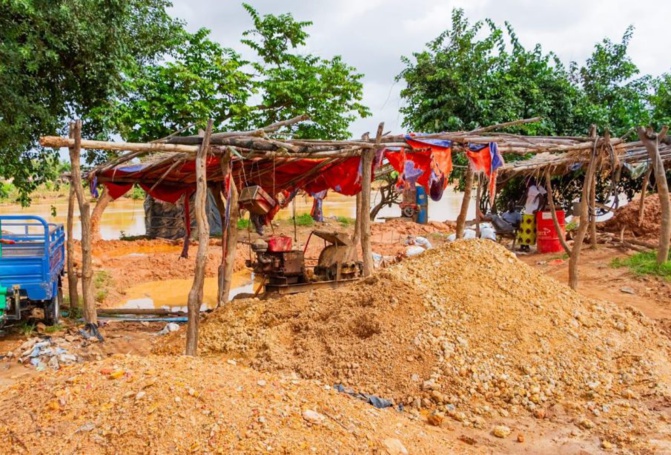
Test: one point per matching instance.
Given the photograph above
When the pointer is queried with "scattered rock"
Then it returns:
(313, 417)
(627, 290)
(501, 431)
(394, 447)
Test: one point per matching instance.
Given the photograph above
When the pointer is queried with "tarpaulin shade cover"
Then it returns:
(169, 182)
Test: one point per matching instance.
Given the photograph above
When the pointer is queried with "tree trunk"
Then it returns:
(366, 164)
(73, 280)
(641, 208)
(196, 293)
(96, 215)
(478, 195)
(551, 203)
(584, 221)
(220, 199)
(90, 314)
(592, 212)
(466, 201)
(231, 240)
(651, 142)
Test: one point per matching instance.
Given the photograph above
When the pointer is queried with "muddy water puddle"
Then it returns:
(173, 294)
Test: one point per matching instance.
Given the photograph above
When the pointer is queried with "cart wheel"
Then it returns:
(408, 212)
(52, 313)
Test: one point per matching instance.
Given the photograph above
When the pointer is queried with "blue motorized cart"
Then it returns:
(32, 257)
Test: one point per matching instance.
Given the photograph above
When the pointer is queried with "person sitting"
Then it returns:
(536, 197)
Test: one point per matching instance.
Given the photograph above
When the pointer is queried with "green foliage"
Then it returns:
(479, 74)
(243, 223)
(345, 221)
(644, 264)
(61, 59)
(137, 193)
(54, 328)
(204, 80)
(26, 329)
(101, 282)
(305, 220)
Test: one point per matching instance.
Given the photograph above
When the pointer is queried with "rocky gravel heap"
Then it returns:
(465, 331)
(155, 405)
(627, 217)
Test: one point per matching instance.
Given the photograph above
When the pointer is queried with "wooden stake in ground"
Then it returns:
(551, 203)
(90, 315)
(231, 240)
(651, 142)
(73, 280)
(584, 220)
(641, 208)
(196, 293)
(465, 202)
(592, 212)
(478, 195)
(366, 164)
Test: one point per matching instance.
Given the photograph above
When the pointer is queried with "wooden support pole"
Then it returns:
(584, 220)
(465, 202)
(90, 315)
(367, 177)
(231, 240)
(551, 203)
(651, 142)
(592, 212)
(219, 194)
(478, 195)
(356, 238)
(73, 279)
(641, 208)
(196, 293)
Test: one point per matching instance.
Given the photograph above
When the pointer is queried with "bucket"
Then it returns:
(547, 239)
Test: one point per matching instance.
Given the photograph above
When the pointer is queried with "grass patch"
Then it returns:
(644, 264)
(243, 223)
(54, 328)
(304, 220)
(101, 280)
(345, 221)
(26, 329)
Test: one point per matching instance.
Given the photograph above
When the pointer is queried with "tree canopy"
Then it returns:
(61, 59)
(127, 68)
(205, 80)
(479, 74)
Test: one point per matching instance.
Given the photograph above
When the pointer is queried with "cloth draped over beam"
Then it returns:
(485, 158)
(283, 175)
(429, 164)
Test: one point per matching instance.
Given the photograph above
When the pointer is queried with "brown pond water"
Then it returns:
(126, 216)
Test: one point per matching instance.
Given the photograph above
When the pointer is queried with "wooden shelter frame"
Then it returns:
(553, 155)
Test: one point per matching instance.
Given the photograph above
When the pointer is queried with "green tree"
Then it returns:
(61, 59)
(478, 75)
(202, 81)
(205, 80)
(292, 83)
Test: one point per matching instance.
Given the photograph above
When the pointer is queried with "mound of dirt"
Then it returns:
(627, 217)
(139, 405)
(467, 330)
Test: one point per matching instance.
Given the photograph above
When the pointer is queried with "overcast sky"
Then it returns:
(372, 35)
